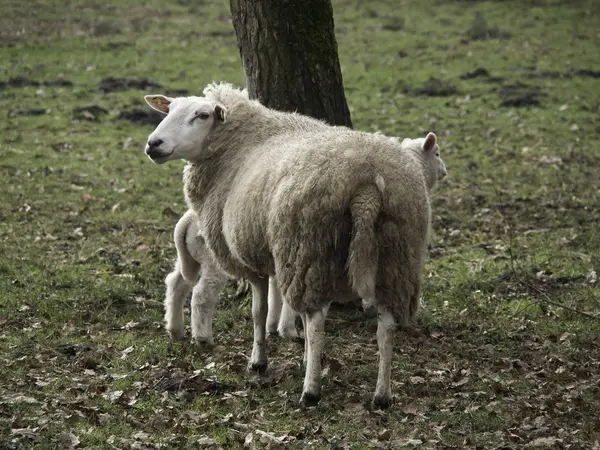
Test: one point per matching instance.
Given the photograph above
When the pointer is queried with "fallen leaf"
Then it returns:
(68, 440)
(563, 337)
(113, 396)
(205, 440)
(406, 442)
(410, 409)
(385, 435)
(143, 248)
(27, 433)
(544, 442)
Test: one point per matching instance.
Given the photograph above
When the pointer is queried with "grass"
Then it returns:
(86, 223)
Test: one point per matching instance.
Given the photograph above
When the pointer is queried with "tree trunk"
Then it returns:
(290, 57)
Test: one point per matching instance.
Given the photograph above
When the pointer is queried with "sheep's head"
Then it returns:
(428, 152)
(185, 128)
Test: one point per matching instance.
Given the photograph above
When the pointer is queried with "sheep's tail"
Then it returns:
(363, 253)
(188, 266)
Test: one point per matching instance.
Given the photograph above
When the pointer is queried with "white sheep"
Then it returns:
(335, 214)
(196, 269)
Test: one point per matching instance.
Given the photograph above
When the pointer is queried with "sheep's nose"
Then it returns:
(154, 143)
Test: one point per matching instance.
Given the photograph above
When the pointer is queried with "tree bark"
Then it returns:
(290, 57)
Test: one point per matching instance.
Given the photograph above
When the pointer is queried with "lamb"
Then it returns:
(195, 260)
(335, 214)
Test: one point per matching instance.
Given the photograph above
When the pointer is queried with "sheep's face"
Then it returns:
(428, 152)
(182, 133)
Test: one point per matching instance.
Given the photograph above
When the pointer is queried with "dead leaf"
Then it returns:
(68, 440)
(205, 441)
(27, 433)
(410, 409)
(563, 337)
(549, 160)
(460, 382)
(113, 396)
(126, 352)
(406, 442)
(385, 435)
(248, 440)
(143, 248)
(544, 442)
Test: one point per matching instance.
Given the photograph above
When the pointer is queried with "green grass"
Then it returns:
(86, 225)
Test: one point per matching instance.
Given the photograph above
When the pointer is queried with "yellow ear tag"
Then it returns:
(222, 115)
(158, 101)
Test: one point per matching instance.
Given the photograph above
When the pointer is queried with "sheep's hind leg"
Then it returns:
(204, 300)
(275, 302)
(258, 360)
(281, 318)
(177, 291)
(315, 335)
(385, 340)
(287, 322)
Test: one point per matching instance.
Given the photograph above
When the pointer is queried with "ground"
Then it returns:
(502, 356)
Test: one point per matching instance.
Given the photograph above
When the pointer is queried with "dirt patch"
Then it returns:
(111, 84)
(481, 31)
(141, 116)
(177, 92)
(19, 82)
(587, 73)
(519, 95)
(91, 112)
(433, 87)
(28, 112)
(480, 72)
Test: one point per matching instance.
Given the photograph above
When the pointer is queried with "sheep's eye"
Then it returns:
(201, 115)
(437, 154)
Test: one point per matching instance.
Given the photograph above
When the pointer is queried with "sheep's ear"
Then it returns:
(430, 141)
(159, 102)
(220, 113)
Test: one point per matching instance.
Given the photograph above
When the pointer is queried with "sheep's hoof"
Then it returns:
(288, 333)
(203, 341)
(381, 402)
(259, 367)
(176, 334)
(310, 399)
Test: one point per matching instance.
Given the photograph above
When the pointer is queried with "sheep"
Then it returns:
(335, 214)
(194, 260)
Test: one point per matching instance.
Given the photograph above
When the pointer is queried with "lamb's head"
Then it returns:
(428, 152)
(183, 132)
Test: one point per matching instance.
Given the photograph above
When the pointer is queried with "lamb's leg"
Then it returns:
(315, 334)
(281, 318)
(258, 360)
(305, 355)
(385, 341)
(177, 291)
(287, 322)
(204, 299)
(274, 306)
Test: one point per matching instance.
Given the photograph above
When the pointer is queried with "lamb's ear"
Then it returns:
(159, 102)
(220, 113)
(430, 141)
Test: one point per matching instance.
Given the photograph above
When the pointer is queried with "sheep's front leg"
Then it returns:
(177, 291)
(258, 360)
(385, 340)
(315, 335)
(275, 302)
(204, 299)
